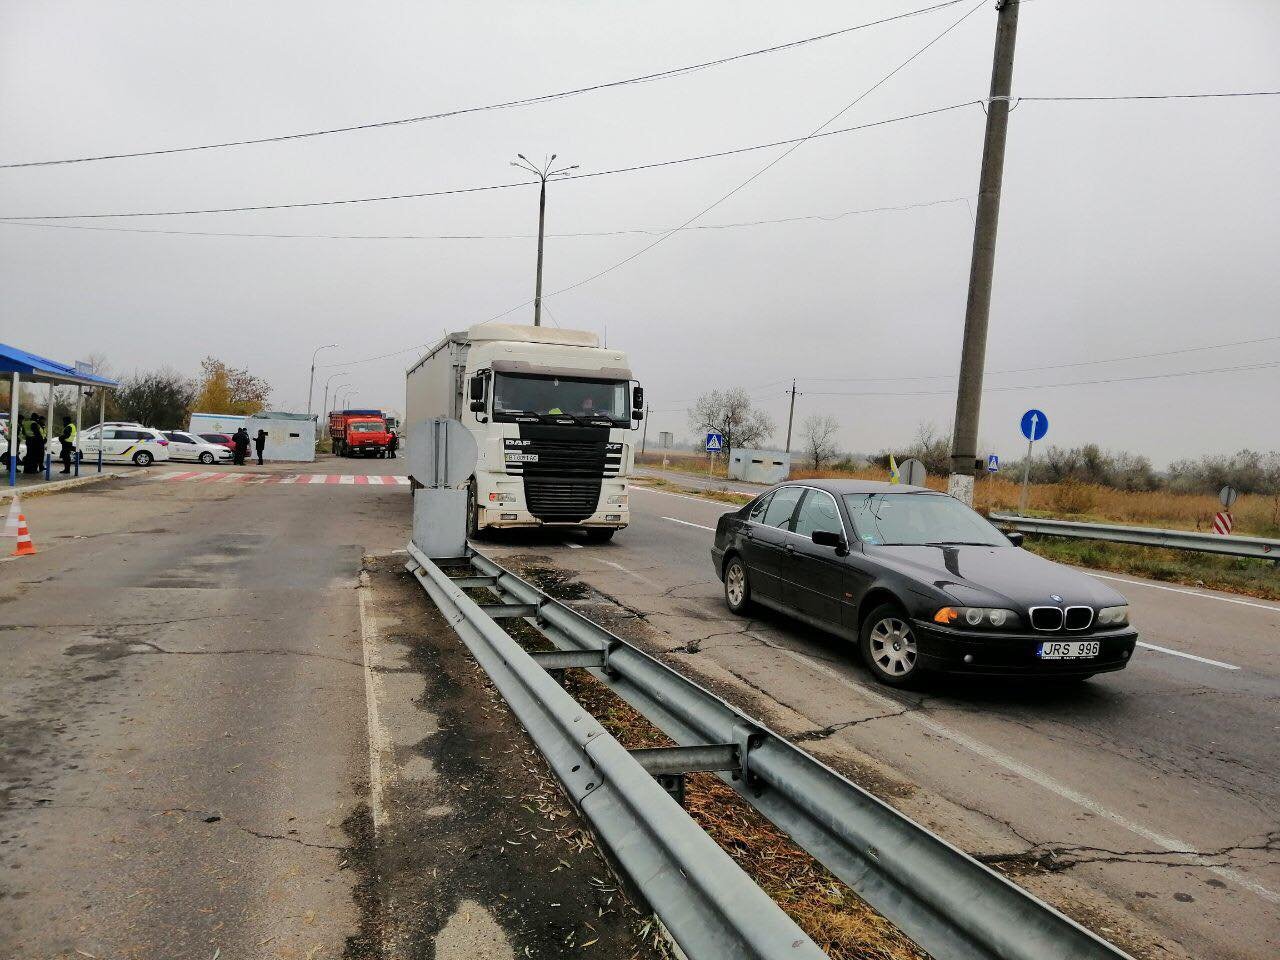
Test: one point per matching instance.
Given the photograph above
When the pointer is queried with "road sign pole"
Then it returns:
(973, 352)
(1026, 475)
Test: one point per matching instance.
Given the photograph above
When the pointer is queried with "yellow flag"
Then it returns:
(894, 476)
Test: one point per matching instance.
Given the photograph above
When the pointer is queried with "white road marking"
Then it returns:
(1039, 778)
(1190, 593)
(685, 496)
(1189, 656)
(688, 524)
(573, 546)
(630, 573)
(379, 739)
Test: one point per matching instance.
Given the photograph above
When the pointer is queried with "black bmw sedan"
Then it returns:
(919, 581)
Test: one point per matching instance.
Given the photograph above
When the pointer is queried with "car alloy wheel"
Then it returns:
(142, 458)
(737, 591)
(889, 646)
(206, 457)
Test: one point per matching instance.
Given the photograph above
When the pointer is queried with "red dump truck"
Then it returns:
(360, 433)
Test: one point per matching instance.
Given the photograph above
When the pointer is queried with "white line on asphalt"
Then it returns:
(1189, 656)
(688, 524)
(682, 496)
(630, 573)
(573, 546)
(379, 739)
(1189, 593)
(1172, 844)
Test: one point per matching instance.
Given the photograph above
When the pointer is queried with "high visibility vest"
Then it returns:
(69, 432)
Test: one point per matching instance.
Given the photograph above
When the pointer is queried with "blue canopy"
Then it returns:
(39, 369)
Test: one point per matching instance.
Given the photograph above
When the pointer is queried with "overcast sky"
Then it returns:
(1127, 228)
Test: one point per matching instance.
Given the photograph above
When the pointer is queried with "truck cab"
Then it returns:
(359, 433)
(552, 413)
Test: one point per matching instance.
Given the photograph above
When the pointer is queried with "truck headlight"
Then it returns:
(1113, 616)
(618, 501)
(502, 498)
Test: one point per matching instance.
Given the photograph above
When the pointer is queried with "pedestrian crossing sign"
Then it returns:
(715, 443)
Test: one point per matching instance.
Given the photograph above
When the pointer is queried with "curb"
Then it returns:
(58, 486)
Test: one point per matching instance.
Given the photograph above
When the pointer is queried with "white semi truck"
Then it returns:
(552, 413)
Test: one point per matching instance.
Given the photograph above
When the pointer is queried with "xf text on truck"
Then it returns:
(551, 412)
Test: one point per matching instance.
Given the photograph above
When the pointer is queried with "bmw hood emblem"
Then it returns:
(1055, 598)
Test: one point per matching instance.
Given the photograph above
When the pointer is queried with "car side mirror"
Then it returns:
(829, 538)
(1014, 537)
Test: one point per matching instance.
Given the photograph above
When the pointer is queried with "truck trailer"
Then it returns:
(552, 413)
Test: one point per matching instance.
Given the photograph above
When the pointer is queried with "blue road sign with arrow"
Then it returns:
(1034, 425)
(715, 443)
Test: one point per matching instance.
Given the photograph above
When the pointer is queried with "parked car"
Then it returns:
(221, 439)
(188, 446)
(131, 443)
(919, 582)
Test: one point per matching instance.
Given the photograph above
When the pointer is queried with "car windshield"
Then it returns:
(367, 427)
(913, 519)
(546, 396)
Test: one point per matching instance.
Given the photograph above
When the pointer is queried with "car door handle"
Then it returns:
(789, 548)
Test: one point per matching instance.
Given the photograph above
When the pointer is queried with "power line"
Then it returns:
(504, 105)
(1052, 366)
(827, 218)
(1148, 96)
(1050, 386)
(768, 166)
(506, 186)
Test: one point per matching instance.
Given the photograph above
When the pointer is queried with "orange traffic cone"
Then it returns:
(11, 523)
(25, 547)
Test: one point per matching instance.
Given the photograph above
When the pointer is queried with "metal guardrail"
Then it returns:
(712, 909)
(1234, 546)
(947, 902)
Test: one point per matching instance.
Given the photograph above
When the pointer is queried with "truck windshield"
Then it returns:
(367, 427)
(546, 396)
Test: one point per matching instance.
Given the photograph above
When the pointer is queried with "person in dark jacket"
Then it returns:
(259, 442)
(394, 445)
(240, 448)
(35, 445)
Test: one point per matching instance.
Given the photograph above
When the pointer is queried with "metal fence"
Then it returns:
(950, 904)
(1259, 547)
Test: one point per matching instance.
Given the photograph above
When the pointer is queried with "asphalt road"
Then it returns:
(226, 731)
(1145, 803)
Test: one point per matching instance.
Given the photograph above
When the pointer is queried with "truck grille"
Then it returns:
(561, 499)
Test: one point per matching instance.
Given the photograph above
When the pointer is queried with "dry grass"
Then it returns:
(1254, 515)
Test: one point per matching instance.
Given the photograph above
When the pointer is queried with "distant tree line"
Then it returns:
(162, 398)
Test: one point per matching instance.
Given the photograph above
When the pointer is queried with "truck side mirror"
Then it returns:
(637, 403)
(477, 406)
(477, 390)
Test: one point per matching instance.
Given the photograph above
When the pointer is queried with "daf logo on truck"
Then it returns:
(551, 411)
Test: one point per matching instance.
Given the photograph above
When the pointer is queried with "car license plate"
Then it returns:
(522, 458)
(1069, 649)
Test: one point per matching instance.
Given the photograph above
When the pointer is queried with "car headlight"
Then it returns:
(1113, 616)
(977, 617)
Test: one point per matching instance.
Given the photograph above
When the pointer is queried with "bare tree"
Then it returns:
(818, 434)
(729, 412)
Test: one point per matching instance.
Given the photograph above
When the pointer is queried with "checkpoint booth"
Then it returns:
(21, 369)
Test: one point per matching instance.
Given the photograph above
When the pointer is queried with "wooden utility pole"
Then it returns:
(791, 414)
(964, 444)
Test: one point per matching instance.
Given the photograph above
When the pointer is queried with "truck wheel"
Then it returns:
(599, 535)
(473, 513)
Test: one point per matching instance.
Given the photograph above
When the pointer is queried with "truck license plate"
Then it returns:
(522, 458)
(1069, 649)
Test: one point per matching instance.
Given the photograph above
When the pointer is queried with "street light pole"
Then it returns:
(543, 173)
(964, 443)
(311, 384)
(336, 376)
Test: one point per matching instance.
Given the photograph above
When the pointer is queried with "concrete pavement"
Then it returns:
(1146, 803)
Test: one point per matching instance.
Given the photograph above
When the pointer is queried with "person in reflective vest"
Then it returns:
(68, 438)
